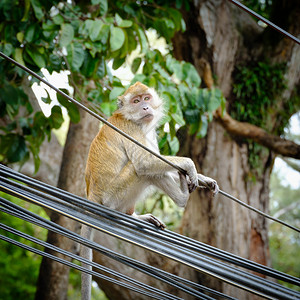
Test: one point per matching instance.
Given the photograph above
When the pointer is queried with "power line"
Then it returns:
(142, 234)
(266, 21)
(45, 190)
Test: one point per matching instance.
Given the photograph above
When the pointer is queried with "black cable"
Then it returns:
(211, 267)
(90, 263)
(149, 229)
(259, 211)
(82, 269)
(266, 21)
(17, 211)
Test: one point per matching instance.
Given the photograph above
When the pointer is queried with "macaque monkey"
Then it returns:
(119, 172)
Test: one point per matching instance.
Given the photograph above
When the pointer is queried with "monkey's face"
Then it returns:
(142, 107)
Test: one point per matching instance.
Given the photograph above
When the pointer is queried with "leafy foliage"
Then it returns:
(256, 87)
(84, 38)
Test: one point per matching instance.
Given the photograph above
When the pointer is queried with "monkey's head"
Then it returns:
(141, 104)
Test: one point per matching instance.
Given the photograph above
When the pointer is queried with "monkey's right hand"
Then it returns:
(209, 183)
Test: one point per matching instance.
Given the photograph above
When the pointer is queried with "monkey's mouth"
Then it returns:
(148, 117)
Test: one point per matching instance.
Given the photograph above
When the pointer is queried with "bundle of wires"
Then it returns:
(197, 255)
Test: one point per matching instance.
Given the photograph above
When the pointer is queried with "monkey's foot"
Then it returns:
(151, 219)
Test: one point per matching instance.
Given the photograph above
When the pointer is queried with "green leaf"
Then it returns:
(102, 6)
(76, 55)
(191, 75)
(26, 10)
(37, 8)
(118, 62)
(7, 49)
(203, 127)
(173, 144)
(67, 35)
(104, 33)
(36, 157)
(117, 38)
(36, 56)
(192, 116)
(143, 40)
(105, 108)
(20, 37)
(89, 66)
(95, 30)
(70, 106)
(58, 19)
(31, 33)
(123, 23)
(214, 101)
(136, 64)
(56, 118)
(17, 149)
(174, 66)
(178, 118)
(47, 99)
(101, 71)
(115, 92)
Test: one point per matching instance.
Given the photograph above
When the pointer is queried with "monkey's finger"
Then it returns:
(215, 189)
(191, 187)
(157, 222)
(153, 220)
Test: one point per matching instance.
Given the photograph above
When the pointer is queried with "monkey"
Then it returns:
(119, 173)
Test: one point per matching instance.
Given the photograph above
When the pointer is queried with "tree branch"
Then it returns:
(292, 164)
(286, 209)
(257, 134)
(247, 130)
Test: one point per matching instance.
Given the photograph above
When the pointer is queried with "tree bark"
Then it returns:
(53, 277)
(217, 33)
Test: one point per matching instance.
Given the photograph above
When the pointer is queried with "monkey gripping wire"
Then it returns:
(137, 142)
(179, 248)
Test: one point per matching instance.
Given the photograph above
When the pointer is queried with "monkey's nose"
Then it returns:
(145, 108)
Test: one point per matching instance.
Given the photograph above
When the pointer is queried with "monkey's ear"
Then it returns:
(120, 102)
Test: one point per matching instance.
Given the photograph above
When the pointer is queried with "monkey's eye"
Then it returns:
(147, 98)
(136, 101)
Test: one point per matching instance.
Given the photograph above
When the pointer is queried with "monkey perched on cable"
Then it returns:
(119, 172)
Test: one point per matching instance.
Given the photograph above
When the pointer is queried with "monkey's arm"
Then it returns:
(146, 164)
(175, 185)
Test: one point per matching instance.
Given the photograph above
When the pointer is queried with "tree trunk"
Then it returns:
(54, 277)
(219, 221)
(212, 35)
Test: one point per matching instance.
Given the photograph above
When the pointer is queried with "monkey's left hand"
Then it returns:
(207, 182)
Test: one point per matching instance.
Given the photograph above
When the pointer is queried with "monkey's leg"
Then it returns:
(85, 252)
